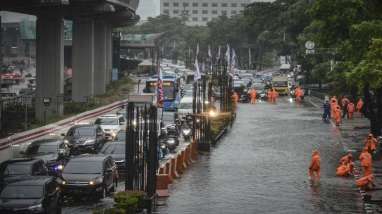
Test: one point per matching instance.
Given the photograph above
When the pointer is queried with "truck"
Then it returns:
(280, 84)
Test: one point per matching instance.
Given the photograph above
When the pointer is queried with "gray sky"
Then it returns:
(148, 8)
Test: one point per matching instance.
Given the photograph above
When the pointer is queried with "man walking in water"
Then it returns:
(315, 166)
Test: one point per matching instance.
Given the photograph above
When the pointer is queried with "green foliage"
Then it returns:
(127, 199)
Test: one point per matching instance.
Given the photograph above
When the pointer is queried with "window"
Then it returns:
(195, 19)
(166, 12)
(175, 11)
(176, 4)
(205, 5)
(166, 4)
(233, 12)
(185, 4)
(205, 11)
(205, 19)
(233, 5)
(243, 5)
(195, 12)
(214, 4)
(224, 5)
(195, 4)
(224, 12)
(214, 12)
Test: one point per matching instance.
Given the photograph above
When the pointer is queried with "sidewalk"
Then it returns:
(352, 134)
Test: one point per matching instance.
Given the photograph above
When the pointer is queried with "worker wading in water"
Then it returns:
(315, 166)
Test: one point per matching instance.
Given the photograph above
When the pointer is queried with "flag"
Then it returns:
(233, 61)
(218, 56)
(160, 95)
(209, 52)
(228, 57)
(197, 75)
(197, 50)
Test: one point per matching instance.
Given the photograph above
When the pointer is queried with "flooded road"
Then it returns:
(261, 165)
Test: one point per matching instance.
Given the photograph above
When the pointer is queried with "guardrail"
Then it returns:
(50, 128)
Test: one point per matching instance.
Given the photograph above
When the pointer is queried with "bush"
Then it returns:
(128, 199)
(219, 123)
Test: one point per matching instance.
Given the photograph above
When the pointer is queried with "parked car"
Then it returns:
(20, 169)
(85, 138)
(90, 174)
(54, 151)
(117, 151)
(110, 124)
(35, 195)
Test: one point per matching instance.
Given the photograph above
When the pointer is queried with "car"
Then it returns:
(121, 136)
(21, 168)
(54, 151)
(110, 124)
(85, 138)
(35, 195)
(185, 107)
(90, 174)
(117, 151)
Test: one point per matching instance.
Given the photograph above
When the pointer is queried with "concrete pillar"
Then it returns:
(83, 60)
(100, 70)
(50, 67)
(109, 52)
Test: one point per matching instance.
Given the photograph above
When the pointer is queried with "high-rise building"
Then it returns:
(199, 12)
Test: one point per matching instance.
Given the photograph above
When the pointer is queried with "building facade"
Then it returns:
(199, 12)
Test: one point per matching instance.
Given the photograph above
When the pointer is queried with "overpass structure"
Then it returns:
(93, 21)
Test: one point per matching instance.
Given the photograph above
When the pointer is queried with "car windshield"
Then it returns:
(17, 169)
(85, 131)
(113, 148)
(22, 192)
(280, 83)
(121, 136)
(83, 167)
(185, 106)
(47, 149)
(107, 121)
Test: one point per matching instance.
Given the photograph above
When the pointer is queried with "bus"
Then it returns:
(170, 91)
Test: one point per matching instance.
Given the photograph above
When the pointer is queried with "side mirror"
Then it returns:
(63, 134)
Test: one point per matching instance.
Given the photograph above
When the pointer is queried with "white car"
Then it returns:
(110, 124)
(185, 106)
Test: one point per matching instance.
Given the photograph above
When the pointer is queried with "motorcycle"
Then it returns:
(186, 132)
(169, 137)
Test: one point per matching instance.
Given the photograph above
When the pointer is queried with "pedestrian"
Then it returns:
(326, 116)
(350, 109)
(359, 106)
(253, 95)
(366, 162)
(371, 143)
(346, 166)
(337, 115)
(299, 94)
(366, 182)
(274, 95)
(315, 166)
(269, 95)
(333, 104)
(344, 103)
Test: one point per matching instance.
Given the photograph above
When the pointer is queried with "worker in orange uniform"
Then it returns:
(337, 115)
(298, 93)
(366, 162)
(253, 95)
(351, 110)
(333, 104)
(359, 106)
(371, 143)
(366, 182)
(315, 166)
(274, 95)
(346, 166)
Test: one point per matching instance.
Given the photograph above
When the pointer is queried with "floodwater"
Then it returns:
(261, 165)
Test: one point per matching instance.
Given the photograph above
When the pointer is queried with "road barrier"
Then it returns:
(23, 137)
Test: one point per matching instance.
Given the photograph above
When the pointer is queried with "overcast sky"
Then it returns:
(148, 8)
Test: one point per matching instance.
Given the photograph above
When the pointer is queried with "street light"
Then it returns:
(212, 113)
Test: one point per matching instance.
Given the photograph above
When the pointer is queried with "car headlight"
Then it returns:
(96, 181)
(186, 131)
(89, 141)
(63, 182)
(91, 182)
(35, 207)
(60, 167)
(66, 141)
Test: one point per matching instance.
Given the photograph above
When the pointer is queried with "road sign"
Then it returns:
(309, 45)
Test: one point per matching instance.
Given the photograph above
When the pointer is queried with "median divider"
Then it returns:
(173, 167)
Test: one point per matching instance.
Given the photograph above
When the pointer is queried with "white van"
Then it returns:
(185, 106)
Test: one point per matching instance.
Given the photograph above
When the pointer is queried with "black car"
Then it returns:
(54, 151)
(85, 138)
(116, 150)
(36, 195)
(90, 174)
(21, 169)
